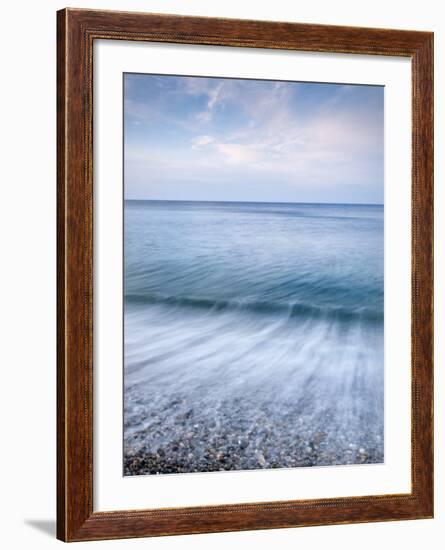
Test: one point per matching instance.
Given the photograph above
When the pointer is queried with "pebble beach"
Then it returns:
(244, 437)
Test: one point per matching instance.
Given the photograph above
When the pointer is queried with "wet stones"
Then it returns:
(243, 436)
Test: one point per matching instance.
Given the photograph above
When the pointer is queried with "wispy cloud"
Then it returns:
(225, 134)
(201, 141)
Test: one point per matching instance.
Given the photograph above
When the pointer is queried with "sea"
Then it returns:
(253, 335)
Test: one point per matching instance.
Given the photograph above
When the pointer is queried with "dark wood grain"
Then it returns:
(76, 32)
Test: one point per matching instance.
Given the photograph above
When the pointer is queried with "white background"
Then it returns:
(28, 271)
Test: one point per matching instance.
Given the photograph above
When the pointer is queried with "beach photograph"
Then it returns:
(253, 274)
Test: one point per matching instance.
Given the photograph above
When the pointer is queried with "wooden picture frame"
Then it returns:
(76, 32)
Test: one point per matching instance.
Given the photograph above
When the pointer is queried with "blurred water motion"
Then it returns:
(253, 336)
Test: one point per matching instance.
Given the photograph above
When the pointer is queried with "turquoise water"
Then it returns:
(253, 335)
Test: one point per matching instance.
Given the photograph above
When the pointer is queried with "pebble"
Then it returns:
(241, 436)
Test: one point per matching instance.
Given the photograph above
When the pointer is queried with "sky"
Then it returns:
(218, 139)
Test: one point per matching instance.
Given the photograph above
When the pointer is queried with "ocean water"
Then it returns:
(253, 336)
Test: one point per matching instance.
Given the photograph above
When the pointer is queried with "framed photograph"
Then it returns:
(245, 229)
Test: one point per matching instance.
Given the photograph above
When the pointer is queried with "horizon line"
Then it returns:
(257, 202)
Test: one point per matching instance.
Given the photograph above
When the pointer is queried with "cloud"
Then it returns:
(204, 117)
(278, 143)
(215, 95)
(237, 153)
(201, 141)
(291, 134)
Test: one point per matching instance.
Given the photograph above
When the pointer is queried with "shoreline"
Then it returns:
(245, 435)
(158, 463)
